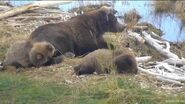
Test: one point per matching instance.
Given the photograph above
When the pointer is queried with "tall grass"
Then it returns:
(167, 7)
(164, 6)
(19, 89)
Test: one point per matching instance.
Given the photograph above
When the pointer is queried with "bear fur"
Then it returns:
(80, 34)
(104, 61)
(28, 54)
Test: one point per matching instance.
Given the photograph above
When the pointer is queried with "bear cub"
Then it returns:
(27, 54)
(104, 60)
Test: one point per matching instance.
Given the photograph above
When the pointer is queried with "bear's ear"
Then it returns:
(104, 14)
(77, 69)
(49, 47)
(39, 56)
(108, 10)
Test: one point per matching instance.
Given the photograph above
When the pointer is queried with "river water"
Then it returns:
(170, 25)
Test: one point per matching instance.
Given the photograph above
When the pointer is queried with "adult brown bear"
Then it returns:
(80, 34)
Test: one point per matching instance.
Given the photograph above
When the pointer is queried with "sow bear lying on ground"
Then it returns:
(80, 34)
(28, 54)
(104, 61)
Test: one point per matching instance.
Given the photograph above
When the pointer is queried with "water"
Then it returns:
(170, 26)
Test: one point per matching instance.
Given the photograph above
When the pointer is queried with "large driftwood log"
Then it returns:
(5, 8)
(165, 70)
(143, 59)
(36, 5)
(164, 75)
(169, 81)
(163, 47)
(136, 36)
(176, 62)
(155, 44)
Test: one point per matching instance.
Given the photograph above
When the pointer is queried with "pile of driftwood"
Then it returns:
(172, 69)
(28, 17)
(33, 6)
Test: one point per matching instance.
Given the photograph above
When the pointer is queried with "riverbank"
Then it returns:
(58, 84)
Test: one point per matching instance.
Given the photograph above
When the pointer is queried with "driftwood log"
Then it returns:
(36, 5)
(171, 70)
(143, 59)
(156, 45)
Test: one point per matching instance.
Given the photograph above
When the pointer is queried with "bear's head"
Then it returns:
(41, 53)
(108, 20)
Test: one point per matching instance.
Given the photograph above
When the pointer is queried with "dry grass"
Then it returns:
(8, 35)
(176, 7)
(48, 86)
(152, 28)
(179, 9)
(178, 48)
(65, 70)
(131, 18)
(164, 6)
(87, 8)
(59, 83)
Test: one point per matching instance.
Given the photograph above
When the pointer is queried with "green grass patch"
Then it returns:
(116, 91)
(18, 89)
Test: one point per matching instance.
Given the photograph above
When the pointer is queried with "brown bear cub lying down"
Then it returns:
(104, 60)
(28, 54)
